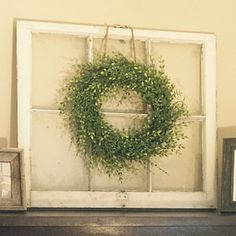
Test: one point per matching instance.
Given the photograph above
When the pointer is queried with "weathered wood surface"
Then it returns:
(117, 223)
(122, 231)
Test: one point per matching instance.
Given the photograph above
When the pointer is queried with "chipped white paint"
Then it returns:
(90, 48)
(68, 199)
(24, 73)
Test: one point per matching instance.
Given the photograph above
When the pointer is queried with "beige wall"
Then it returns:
(213, 16)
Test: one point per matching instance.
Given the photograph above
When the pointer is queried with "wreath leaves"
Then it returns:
(108, 147)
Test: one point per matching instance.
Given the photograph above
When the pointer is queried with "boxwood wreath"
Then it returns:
(107, 147)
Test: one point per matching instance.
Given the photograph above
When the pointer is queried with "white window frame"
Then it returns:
(86, 199)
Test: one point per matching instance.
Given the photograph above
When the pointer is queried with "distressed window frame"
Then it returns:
(17, 202)
(86, 199)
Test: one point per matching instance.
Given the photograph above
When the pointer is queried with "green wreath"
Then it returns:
(105, 145)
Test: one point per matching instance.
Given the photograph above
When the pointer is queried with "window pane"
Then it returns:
(121, 46)
(185, 169)
(133, 182)
(53, 57)
(54, 164)
(183, 65)
(124, 123)
(5, 180)
(123, 113)
(118, 101)
(124, 116)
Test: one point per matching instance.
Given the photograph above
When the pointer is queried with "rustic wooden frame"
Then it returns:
(17, 201)
(228, 169)
(88, 199)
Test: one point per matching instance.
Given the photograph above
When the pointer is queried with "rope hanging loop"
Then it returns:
(132, 41)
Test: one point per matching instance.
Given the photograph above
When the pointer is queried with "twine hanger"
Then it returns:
(132, 41)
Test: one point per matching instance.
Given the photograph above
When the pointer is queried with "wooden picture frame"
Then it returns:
(228, 181)
(12, 184)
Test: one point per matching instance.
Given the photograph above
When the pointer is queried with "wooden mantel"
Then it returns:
(108, 222)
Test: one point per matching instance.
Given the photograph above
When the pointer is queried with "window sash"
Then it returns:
(205, 199)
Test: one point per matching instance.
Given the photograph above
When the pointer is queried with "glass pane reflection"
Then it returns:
(5, 180)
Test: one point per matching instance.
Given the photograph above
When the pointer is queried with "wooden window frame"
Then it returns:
(17, 201)
(84, 199)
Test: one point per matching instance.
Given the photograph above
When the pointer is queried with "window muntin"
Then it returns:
(51, 62)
